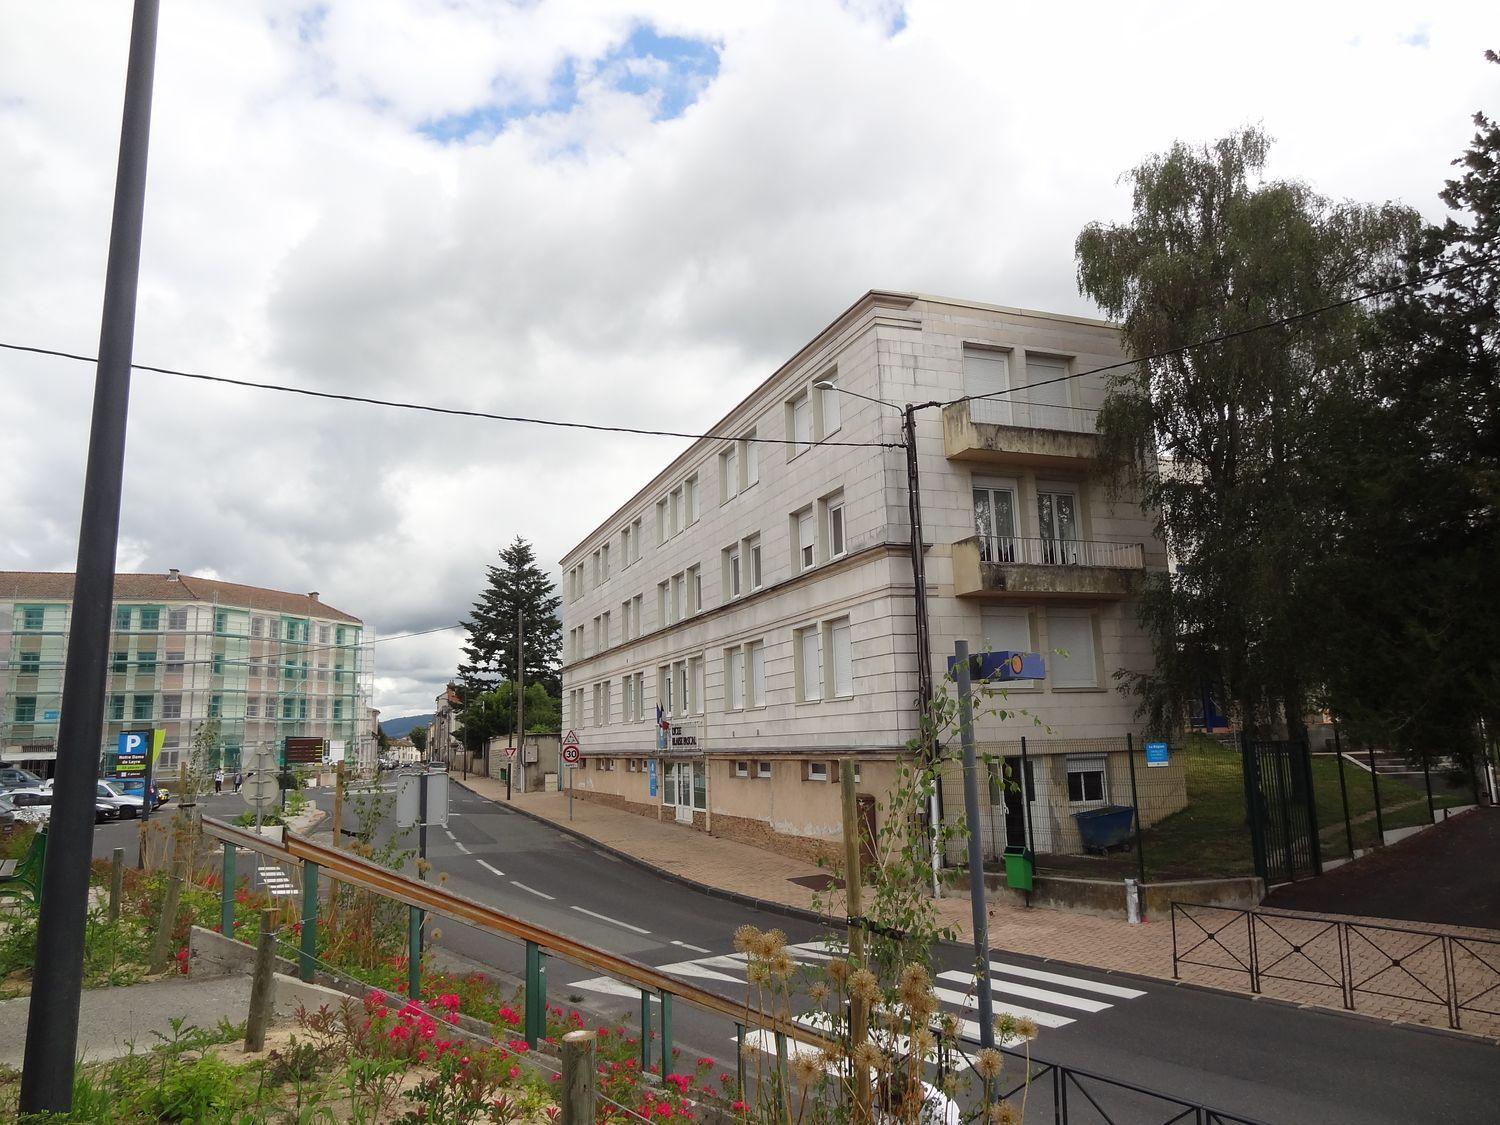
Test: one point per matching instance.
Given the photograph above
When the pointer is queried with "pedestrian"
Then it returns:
(239, 779)
(218, 781)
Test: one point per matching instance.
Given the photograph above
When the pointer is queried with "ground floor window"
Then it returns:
(685, 784)
(1086, 778)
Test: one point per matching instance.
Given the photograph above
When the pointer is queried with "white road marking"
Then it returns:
(696, 969)
(607, 918)
(1029, 992)
(611, 987)
(493, 870)
(1072, 982)
(450, 835)
(533, 890)
(688, 945)
(1041, 1019)
(460, 847)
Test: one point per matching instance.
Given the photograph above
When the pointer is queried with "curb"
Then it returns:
(766, 904)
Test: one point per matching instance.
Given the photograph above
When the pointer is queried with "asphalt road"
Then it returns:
(1261, 1059)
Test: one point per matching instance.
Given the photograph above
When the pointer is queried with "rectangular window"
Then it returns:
(695, 686)
(690, 500)
(830, 404)
(325, 634)
(601, 704)
(804, 540)
(664, 688)
(752, 562)
(734, 678)
(816, 771)
(302, 708)
(150, 618)
(338, 710)
(627, 697)
(257, 626)
(625, 545)
(799, 424)
(218, 664)
(596, 568)
(1086, 778)
(741, 769)
(288, 710)
(732, 587)
(663, 597)
(119, 662)
(221, 624)
(1074, 663)
(122, 618)
(762, 769)
(171, 707)
(1008, 630)
(835, 509)
(321, 710)
(729, 474)
(141, 707)
(33, 617)
(604, 560)
(31, 663)
(680, 688)
(755, 674)
(252, 706)
(842, 648)
(25, 708)
(987, 372)
(635, 541)
(145, 662)
(640, 696)
(216, 706)
(694, 589)
(177, 620)
(674, 511)
(674, 609)
(750, 458)
(340, 635)
(116, 708)
(809, 658)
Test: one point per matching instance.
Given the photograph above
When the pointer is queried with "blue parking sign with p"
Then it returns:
(131, 751)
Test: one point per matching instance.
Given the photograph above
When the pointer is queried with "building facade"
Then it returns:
(759, 589)
(263, 664)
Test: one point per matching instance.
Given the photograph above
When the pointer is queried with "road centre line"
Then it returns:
(459, 845)
(611, 921)
(689, 945)
(533, 890)
(490, 868)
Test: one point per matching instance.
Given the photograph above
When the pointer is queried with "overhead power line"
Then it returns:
(453, 411)
(1279, 322)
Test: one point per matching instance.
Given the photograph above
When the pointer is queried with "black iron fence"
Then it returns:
(1361, 965)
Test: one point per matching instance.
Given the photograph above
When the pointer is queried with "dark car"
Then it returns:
(14, 777)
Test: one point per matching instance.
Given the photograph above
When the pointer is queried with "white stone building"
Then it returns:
(760, 592)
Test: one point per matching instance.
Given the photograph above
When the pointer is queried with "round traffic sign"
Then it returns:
(571, 754)
(262, 787)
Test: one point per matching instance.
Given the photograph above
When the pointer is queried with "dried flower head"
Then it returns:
(746, 938)
(782, 964)
(988, 1063)
(818, 993)
(805, 1068)
(831, 1058)
(948, 1022)
(839, 971)
(870, 1057)
(1026, 1028)
(1001, 1113)
(863, 985)
(924, 1043)
(771, 943)
(758, 973)
(914, 978)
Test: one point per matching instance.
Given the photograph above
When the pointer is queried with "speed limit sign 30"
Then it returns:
(571, 754)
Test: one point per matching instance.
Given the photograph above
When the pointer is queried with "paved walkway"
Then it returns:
(111, 1019)
(1079, 939)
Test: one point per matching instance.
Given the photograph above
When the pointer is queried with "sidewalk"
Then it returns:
(749, 872)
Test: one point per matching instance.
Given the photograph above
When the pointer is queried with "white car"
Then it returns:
(41, 800)
(21, 814)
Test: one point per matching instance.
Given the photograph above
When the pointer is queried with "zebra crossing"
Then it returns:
(1048, 999)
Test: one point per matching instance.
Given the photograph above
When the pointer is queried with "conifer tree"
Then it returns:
(517, 583)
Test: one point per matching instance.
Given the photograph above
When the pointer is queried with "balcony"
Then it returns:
(996, 569)
(1002, 432)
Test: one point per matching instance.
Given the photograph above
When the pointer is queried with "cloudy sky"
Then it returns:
(622, 210)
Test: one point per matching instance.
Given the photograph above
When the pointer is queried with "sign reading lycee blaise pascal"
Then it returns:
(682, 739)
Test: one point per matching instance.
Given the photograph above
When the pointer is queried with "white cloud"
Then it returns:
(588, 260)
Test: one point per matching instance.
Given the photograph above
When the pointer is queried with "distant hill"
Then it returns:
(400, 728)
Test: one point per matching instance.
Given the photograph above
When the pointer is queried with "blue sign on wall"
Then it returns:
(1156, 753)
(51, 716)
(651, 774)
(1003, 666)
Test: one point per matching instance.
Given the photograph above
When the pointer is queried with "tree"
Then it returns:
(1414, 460)
(418, 736)
(1211, 250)
(517, 584)
(493, 713)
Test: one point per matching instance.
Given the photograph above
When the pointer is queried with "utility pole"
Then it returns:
(57, 978)
(520, 701)
(924, 632)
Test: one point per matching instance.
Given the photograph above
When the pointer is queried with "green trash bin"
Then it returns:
(1020, 866)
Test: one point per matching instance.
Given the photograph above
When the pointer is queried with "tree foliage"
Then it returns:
(493, 713)
(1213, 249)
(418, 736)
(516, 586)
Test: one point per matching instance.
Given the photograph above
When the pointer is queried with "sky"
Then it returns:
(629, 211)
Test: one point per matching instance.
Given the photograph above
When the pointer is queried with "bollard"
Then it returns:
(1132, 902)
(666, 1033)
(739, 1060)
(262, 985)
(226, 899)
(161, 947)
(645, 1030)
(579, 1078)
(116, 882)
(414, 952)
(309, 920)
(536, 994)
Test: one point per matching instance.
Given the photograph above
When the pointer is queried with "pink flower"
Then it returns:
(515, 1072)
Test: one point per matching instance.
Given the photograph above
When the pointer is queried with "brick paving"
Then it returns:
(1308, 974)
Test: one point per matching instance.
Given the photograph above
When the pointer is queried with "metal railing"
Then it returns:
(1458, 973)
(1060, 552)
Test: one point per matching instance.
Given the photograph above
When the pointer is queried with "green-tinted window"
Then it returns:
(141, 707)
(338, 634)
(119, 661)
(150, 618)
(25, 708)
(145, 662)
(302, 708)
(116, 708)
(218, 664)
(122, 618)
(215, 705)
(338, 709)
(33, 617)
(221, 621)
(288, 708)
(31, 663)
(290, 671)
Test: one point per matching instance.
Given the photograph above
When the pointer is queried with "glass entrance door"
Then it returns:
(1057, 521)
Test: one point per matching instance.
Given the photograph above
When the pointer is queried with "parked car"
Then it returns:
(14, 777)
(40, 800)
(127, 805)
(8, 819)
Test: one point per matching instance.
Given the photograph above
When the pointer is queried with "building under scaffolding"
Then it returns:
(264, 664)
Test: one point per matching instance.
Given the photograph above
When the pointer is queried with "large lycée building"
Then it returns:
(264, 664)
(759, 588)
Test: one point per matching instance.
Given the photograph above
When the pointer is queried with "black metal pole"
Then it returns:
(1338, 753)
(924, 636)
(1427, 780)
(1026, 801)
(1135, 801)
(979, 910)
(1375, 786)
(57, 978)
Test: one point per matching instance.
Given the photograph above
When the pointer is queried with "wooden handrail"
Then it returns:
(357, 872)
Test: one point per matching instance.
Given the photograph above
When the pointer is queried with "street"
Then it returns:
(1258, 1058)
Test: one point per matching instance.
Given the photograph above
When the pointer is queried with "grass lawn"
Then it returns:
(1210, 838)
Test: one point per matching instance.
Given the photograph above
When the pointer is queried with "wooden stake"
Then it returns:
(262, 984)
(578, 1078)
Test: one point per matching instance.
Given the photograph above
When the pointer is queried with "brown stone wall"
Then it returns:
(615, 801)
(751, 831)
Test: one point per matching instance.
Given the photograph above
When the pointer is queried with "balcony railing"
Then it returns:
(1003, 411)
(1060, 552)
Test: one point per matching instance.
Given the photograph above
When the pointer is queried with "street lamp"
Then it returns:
(919, 592)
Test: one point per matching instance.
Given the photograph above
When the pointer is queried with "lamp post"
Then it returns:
(919, 597)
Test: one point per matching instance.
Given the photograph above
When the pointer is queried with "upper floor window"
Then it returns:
(832, 508)
(257, 626)
(122, 618)
(177, 620)
(150, 618)
(33, 617)
(828, 404)
(804, 540)
(809, 660)
(799, 424)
